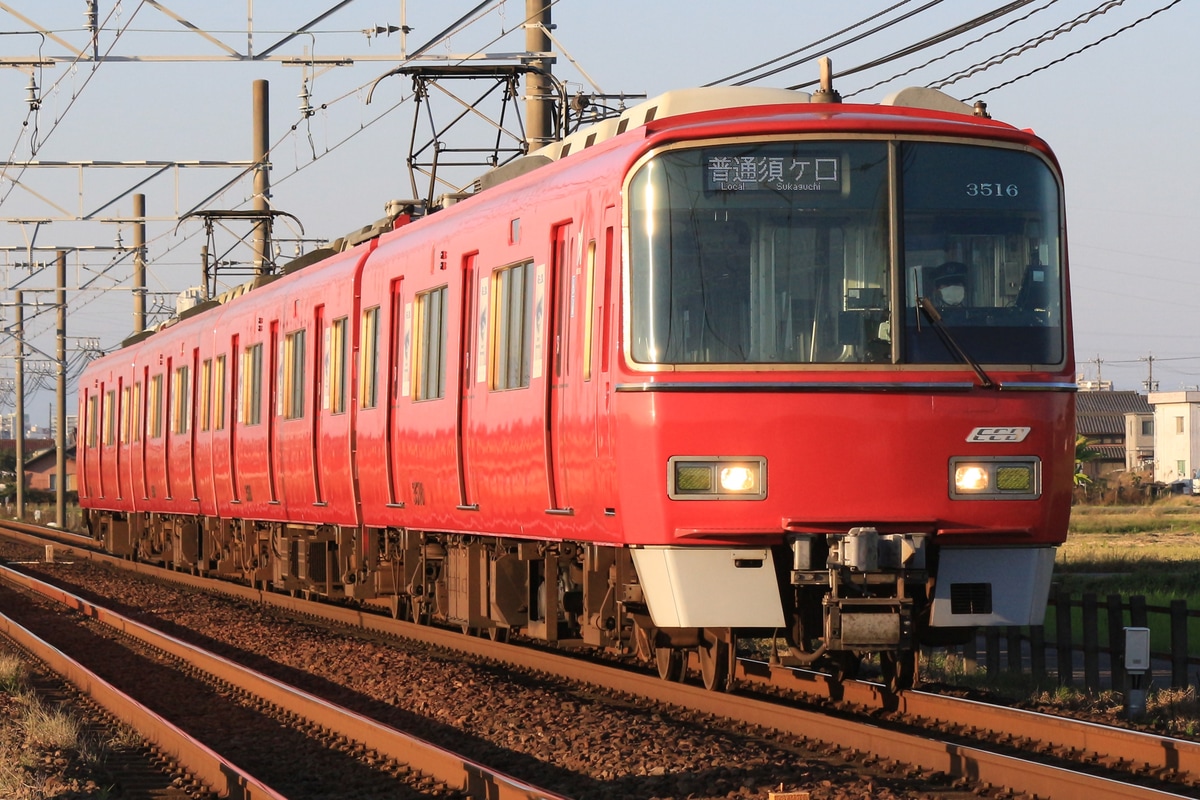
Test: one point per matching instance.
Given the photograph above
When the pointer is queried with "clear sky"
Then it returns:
(1121, 116)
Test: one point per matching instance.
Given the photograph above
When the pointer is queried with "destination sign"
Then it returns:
(773, 173)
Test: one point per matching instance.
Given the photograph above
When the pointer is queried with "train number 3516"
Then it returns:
(993, 190)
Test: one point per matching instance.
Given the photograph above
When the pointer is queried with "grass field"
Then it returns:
(1151, 550)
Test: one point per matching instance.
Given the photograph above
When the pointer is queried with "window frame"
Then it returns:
(295, 347)
(368, 358)
(510, 357)
(429, 344)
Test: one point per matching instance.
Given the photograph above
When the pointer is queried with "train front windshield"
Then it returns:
(781, 252)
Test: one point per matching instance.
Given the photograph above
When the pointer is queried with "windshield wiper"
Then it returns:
(952, 344)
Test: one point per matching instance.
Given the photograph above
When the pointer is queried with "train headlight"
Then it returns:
(717, 478)
(970, 478)
(995, 478)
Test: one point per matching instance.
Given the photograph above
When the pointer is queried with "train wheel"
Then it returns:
(642, 648)
(420, 613)
(714, 662)
(497, 634)
(899, 669)
(398, 606)
(671, 662)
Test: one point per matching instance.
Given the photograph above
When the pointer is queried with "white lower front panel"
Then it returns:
(709, 587)
(990, 586)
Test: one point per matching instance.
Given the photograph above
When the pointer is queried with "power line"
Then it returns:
(1028, 44)
(1115, 33)
(949, 53)
(930, 41)
(33, 144)
(811, 45)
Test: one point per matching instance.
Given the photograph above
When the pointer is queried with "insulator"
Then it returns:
(31, 94)
(306, 109)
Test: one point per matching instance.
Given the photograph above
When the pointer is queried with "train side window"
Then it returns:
(136, 412)
(293, 374)
(155, 412)
(429, 347)
(93, 414)
(368, 362)
(218, 394)
(206, 394)
(126, 415)
(512, 326)
(110, 407)
(181, 396)
(252, 384)
(335, 381)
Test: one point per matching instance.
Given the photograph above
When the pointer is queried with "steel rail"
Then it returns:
(439, 763)
(223, 777)
(1155, 751)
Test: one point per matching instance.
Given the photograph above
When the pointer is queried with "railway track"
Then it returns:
(215, 697)
(1023, 752)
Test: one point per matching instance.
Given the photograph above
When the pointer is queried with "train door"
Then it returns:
(606, 285)
(235, 421)
(563, 372)
(274, 408)
(141, 391)
(101, 452)
(88, 468)
(466, 493)
(168, 438)
(397, 343)
(122, 398)
(189, 411)
(320, 398)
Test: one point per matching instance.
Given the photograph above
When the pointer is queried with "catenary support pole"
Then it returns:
(262, 182)
(60, 389)
(139, 263)
(538, 94)
(19, 432)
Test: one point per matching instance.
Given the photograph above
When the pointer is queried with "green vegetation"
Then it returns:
(44, 752)
(1152, 551)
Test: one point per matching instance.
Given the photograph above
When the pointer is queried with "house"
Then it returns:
(1177, 436)
(41, 471)
(1119, 427)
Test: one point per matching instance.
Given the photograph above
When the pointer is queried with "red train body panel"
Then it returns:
(698, 369)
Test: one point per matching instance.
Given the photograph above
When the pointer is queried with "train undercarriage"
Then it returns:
(840, 601)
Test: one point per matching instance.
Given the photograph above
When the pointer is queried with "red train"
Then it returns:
(735, 363)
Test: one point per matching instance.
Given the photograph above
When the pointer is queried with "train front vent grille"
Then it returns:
(970, 598)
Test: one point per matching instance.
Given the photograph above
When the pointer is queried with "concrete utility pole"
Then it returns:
(262, 181)
(19, 388)
(538, 90)
(60, 390)
(139, 263)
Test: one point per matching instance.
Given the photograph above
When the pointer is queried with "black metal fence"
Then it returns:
(1086, 640)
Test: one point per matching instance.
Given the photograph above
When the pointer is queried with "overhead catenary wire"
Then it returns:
(928, 42)
(13, 182)
(1028, 44)
(840, 45)
(1074, 53)
(949, 53)
(811, 45)
(478, 12)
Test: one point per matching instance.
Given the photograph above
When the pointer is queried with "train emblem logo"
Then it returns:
(997, 434)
